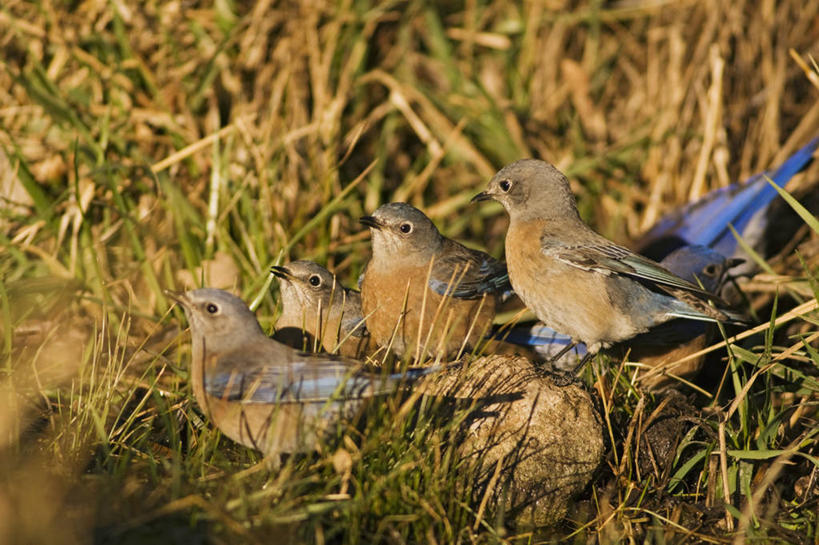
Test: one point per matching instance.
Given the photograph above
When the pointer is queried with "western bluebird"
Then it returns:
(263, 394)
(315, 305)
(665, 343)
(421, 289)
(744, 206)
(575, 280)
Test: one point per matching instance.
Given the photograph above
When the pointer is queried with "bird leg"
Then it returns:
(560, 377)
(579, 367)
(554, 359)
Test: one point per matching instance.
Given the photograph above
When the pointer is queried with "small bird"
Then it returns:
(423, 293)
(577, 281)
(747, 206)
(263, 394)
(316, 306)
(662, 344)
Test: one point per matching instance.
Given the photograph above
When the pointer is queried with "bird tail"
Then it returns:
(707, 313)
(529, 335)
(544, 341)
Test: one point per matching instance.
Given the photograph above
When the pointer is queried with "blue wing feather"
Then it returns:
(705, 221)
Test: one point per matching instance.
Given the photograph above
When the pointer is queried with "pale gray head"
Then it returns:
(306, 285)
(401, 231)
(221, 318)
(532, 189)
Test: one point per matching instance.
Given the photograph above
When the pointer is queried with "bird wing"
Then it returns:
(354, 325)
(308, 378)
(609, 258)
(283, 376)
(705, 221)
(467, 274)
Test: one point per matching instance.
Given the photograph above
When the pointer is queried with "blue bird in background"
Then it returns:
(705, 221)
(691, 241)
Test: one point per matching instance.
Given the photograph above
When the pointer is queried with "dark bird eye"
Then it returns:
(711, 270)
(314, 280)
(505, 185)
(406, 228)
(213, 309)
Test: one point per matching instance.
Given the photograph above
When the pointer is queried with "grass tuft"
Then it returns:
(165, 145)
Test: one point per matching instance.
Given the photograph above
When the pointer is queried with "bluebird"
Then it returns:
(262, 393)
(423, 293)
(662, 344)
(745, 206)
(575, 280)
(316, 304)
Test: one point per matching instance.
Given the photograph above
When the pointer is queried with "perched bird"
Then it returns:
(575, 280)
(263, 394)
(663, 344)
(746, 206)
(316, 307)
(422, 293)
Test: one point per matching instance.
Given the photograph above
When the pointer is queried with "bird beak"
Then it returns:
(178, 297)
(370, 222)
(482, 196)
(281, 272)
(734, 262)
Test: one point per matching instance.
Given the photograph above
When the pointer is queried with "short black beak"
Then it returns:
(482, 196)
(178, 297)
(370, 222)
(734, 262)
(280, 272)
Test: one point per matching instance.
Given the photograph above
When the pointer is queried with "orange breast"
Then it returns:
(402, 312)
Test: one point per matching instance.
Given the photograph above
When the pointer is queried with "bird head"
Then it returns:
(531, 189)
(400, 230)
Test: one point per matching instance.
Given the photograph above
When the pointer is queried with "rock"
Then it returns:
(548, 438)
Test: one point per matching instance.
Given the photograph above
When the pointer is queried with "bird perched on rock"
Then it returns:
(659, 346)
(577, 281)
(263, 394)
(316, 306)
(422, 293)
(683, 242)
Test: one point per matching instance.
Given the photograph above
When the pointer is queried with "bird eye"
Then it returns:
(314, 280)
(710, 270)
(505, 185)
(213, 309)
(405, 228)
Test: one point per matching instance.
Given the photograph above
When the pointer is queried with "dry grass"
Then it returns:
(157, 144)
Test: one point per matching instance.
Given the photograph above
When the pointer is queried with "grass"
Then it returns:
(168, 144)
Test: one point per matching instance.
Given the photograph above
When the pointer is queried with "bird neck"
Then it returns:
(388, 257)
(565, 220)
(558, 208)
(197, 376)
